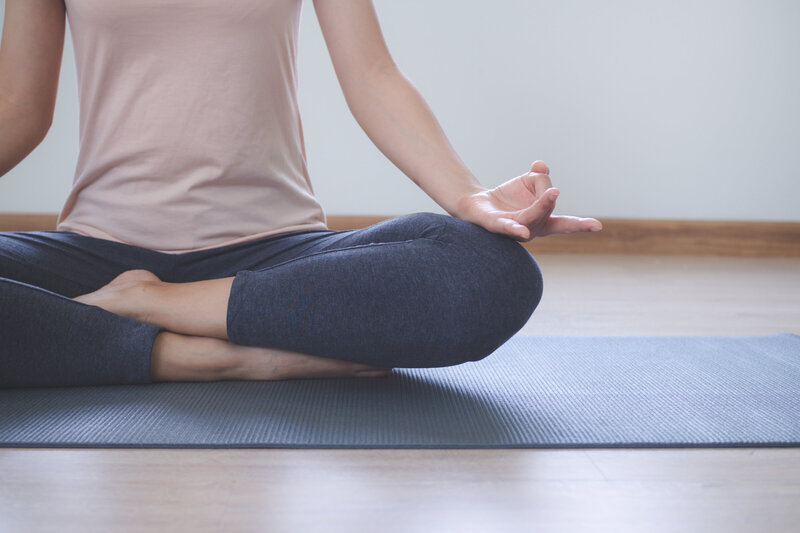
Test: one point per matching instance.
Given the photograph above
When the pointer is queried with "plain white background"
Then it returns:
(680, 110)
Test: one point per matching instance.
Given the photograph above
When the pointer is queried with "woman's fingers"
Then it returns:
(539, 167)
(537, 218)
(570, 224)
(539, 183)
(512, 227)
(540, 210)
(538, 179)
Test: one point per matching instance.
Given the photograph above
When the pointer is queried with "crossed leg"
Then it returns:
(195, 346)
(446, 291)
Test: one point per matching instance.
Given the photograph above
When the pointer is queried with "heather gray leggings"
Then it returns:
(418, 290)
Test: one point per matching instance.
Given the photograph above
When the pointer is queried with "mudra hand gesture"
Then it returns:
(522, 208)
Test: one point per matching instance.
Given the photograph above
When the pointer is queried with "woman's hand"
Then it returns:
(521, 208)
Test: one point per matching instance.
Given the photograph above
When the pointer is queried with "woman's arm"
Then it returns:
(30, 62)
(399, 122)
(388, 107)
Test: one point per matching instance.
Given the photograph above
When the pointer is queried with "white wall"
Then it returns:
(684, 109)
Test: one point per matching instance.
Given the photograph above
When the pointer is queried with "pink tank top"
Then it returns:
(190, 131)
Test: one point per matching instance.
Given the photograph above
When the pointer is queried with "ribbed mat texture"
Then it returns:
(532, 392)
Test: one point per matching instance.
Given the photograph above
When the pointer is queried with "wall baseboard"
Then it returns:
(619, 236)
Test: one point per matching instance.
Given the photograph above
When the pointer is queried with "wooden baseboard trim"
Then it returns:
(619, 236)
(27, 222)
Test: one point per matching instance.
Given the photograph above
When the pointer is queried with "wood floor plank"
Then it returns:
(653, 295)
(398, 490)
(711, 466)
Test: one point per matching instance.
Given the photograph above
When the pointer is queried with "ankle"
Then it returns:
(225, 361)
(177, 357)
(142, 300)
(214, 358)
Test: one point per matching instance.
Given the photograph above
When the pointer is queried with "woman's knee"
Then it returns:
(416, 225)
(489, 285)
(500, 287)
(509, 268)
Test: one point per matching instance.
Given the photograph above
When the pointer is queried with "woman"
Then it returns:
(192, 247)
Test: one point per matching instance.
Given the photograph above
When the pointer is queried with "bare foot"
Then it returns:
(118, 295)
(273, 363)
(178, 357)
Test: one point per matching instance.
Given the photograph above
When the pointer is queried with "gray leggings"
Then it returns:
(418, 290)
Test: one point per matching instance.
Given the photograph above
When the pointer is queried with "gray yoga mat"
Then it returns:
(532, 392)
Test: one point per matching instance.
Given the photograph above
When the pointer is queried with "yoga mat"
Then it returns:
(532, 392)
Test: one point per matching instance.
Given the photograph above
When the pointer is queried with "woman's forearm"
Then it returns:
(20, 133)
(396, 118)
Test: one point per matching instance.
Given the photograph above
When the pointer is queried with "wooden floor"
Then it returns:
(644, 490)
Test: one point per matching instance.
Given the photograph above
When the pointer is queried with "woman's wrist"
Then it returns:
(466, 199)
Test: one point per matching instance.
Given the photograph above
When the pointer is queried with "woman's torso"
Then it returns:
(190, 132)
